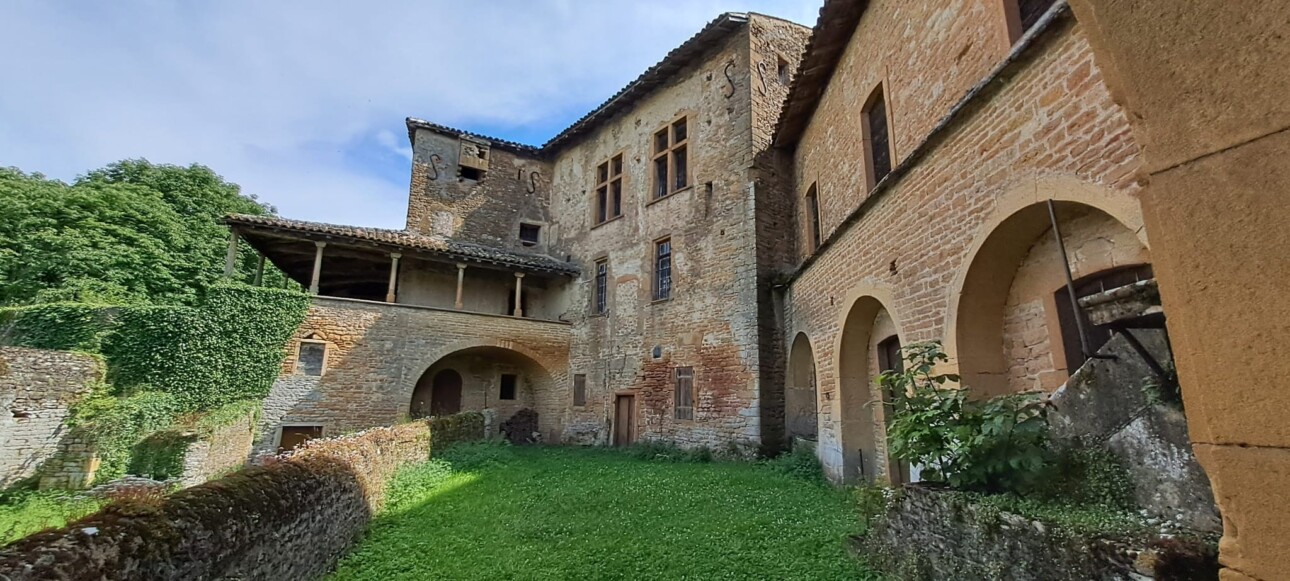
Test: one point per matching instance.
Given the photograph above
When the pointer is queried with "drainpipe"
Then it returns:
(1070, 286)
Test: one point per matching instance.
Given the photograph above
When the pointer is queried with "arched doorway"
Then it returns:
(801, 405)
(1008, 329)
(437, 395)
(868, 327)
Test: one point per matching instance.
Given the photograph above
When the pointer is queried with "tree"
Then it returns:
(131, 232)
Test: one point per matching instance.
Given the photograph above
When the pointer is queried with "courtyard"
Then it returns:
(493, 512)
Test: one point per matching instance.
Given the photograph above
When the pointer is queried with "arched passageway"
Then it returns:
(484, 377)
(800, 395)
(1012, 331)
(870, 343)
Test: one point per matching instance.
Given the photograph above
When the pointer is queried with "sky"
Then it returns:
(303, 103)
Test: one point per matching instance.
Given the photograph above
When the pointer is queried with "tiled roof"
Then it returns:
(454, 249)
(833, 31)
(414, 124)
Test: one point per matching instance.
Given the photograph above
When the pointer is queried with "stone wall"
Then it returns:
(934, 535)
(376, 353)
(220, 452)
(711, 323)
(1108, 404)
(938, 244)
(37, 390)
(291, 518)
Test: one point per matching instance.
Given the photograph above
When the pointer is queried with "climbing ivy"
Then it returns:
(60, 326)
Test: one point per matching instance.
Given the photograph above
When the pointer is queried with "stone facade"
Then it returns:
(218, 453)
(376, 354)
(37, 390)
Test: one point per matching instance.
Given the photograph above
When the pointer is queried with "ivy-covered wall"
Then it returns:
(164, 363)
(291, 518)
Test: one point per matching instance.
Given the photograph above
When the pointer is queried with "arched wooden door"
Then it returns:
(446, 397)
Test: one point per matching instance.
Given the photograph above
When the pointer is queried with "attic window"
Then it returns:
(783, 71)
(530, 234)
(470, 173)
(472, 162)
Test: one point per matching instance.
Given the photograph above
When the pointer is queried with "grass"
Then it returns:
(491, 512)
(25, 512)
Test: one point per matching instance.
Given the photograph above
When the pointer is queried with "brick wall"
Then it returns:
(1045, 127)
(37, 389)
(376, 354)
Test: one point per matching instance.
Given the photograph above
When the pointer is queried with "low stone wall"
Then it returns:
(219, 453)
(934, 535)
(37, 390)
(291, 518)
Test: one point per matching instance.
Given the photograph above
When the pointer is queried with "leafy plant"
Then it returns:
(800, 463)
(999, 444)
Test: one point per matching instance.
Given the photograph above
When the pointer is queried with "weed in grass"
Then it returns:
(24, 512)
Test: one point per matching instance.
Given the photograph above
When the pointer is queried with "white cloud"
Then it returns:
(302, 102)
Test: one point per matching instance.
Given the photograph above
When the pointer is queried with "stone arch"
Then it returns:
(860, 421)
(801, 399)
(1007, 245)
(484, 366)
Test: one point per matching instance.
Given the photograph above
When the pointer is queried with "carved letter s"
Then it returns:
(434, 166)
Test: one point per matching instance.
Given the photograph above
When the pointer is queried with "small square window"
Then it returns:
(311, 357)
(470, 173)
(530, 234)
(509, 385)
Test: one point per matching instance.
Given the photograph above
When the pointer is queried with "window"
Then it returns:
(472, 159)
(813, 216)
(1023, 15)
(671, 158)
(311, 358)
(889, 355)
(530, 234)
(663, 269)
(783, 71)
(294, 436)
(609, 189)
(877, 140)
(685, 393)
(601, 300)
(509, 383)
(579, 390)
(1090, 285)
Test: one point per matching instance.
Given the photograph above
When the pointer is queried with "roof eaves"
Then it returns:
(833, 31)
(413, 124)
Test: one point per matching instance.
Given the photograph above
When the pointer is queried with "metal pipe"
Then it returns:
(1070, 281)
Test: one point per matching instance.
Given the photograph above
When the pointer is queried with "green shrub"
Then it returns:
(800, 463)
(995, 445)
(118, 425)
(160, 456)
(59, 326)
(663, 451)
(472, 456)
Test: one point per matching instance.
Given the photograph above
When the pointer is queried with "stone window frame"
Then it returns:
(520, 234)
(879, 89)
(580, 390)
(316, 338)
(277, 438)
(813, 222)
(657, 154)
(680, 412)
(607, 180)
(655, 288)
(599, 308)
(519, 384)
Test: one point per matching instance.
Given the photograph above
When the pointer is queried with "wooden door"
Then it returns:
(889, 359)
(446, 397)
(624, 420)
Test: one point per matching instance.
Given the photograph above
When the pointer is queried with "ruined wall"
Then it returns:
(1215, 202)
(1046, 128)
(37, 390)
(486, 211)
(710, 323)
(377, 352)
(220, 452)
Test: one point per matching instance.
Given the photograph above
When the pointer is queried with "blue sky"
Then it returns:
(303, 102)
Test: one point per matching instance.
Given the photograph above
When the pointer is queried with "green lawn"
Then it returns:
(25, 512)
(490, 512)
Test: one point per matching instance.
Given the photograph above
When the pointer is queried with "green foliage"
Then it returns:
(1090, 476)
(160, 456)
(996, 445)
(663, 451)
(570, 513)
(132, 232)
(59, 326)
(799, 463)
(473, 456)
(227, 350)
(119, 424)
(1070, 516)
(23, 512)
(209, 422)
